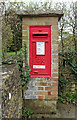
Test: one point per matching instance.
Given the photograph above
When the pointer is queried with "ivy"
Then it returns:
(62, 84)
(67, 98)
(69, 61)
(25, 71)
(26, 113)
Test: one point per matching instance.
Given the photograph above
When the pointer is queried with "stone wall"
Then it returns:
(0, 57)
(11, 92)
(43, 88)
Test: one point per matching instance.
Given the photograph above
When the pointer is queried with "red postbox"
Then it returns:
(40, 51)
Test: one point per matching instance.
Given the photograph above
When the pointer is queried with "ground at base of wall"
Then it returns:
(60, 111)
(63, 111)
(66, 110)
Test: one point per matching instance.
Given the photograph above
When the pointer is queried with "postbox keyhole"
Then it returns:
(40, 30)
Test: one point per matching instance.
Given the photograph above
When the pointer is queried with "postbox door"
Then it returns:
(40, 51)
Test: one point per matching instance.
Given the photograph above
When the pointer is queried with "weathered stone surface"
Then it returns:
(11, 92)
(41, 108)
(45, 13)
(0, 59)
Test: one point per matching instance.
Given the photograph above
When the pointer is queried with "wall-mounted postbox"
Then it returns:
(40, 51)
(40, 33)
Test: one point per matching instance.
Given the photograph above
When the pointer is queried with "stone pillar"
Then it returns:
(41, 93)
(43, 88)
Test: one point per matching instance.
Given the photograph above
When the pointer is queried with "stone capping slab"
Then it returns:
(41, 13)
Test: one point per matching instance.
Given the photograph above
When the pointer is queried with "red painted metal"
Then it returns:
(40, 51)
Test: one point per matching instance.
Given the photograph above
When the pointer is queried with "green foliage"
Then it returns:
(7, 37)
(13, 53)
(39, 5)
(71, 60)
(26, 113)
(68, 43)
(18, 59)
(8, 61)
(11, 28)
(67, 98)
(11, 58)
(62, 84)
(25, 71)
(15, 22)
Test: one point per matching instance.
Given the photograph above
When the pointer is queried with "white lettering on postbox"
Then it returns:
(39, 66)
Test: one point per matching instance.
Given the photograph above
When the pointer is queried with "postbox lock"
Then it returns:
(39, 30)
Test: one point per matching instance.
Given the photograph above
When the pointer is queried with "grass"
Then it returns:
(13, 53)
